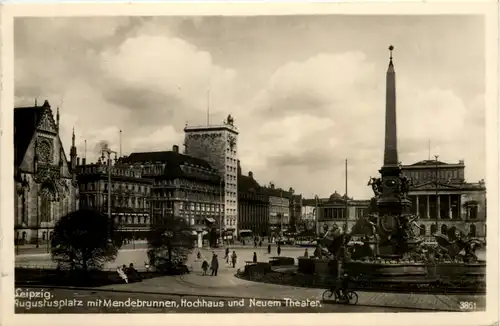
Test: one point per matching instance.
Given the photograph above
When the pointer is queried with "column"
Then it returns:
(417, 204)
(438, 209)
(450, 209)
(200, 239)
(428, 208)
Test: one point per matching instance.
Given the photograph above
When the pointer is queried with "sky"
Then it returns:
(306, 92)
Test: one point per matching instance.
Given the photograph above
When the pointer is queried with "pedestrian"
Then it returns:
(204, 267)
(198, 256)
(306, 253)
(122, 274)
(279, 250)
(260, 243)
(234, 257)
(255, 243)
(227, 253)
(255, 257)
(215, 265)
(269, 249)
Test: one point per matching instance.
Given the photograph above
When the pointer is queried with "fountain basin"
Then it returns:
(382, 270)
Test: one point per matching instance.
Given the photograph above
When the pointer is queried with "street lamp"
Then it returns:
(220, 211)
(108, 151)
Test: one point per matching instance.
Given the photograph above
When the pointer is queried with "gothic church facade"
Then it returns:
(45, 187)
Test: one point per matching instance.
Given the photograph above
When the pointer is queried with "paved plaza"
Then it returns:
(225, 286)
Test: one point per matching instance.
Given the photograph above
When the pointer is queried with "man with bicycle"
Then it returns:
(342, 286)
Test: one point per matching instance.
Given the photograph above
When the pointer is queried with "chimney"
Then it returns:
(250, 174)
(83, 161)
(175, 149)
(77, 161)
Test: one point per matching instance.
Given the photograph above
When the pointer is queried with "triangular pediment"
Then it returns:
(432, 185)
(47, 122)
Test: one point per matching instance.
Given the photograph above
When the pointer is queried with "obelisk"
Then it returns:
(391, 200)
(391, 138)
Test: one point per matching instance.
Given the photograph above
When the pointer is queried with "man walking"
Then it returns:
(234, 257)
(215, 265)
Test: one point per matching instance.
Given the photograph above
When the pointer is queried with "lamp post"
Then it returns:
(108, 152)
(316, 231)
(220, 212)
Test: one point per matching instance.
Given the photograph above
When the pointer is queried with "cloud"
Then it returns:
(302, 105)
(329, 108)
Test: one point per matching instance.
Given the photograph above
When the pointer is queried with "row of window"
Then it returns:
(231, 221)
(132, 219)
(116, 201)
(200, 207)
(431, 174)
(94, 186)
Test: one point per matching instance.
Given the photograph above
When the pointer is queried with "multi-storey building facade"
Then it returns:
(184, 187)
(307, 219)
(443, 199)
(44, 181)
(253, 205)
(279, 209)
(217, 145)
(295, 209)
(130, 195)
(334, 211)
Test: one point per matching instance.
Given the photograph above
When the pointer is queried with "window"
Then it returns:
(422, 229)
(444, 229)
(472, 230)
(433, 229)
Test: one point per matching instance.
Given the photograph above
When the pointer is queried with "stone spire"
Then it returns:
(391, 140)
(57, 119)
(72, 152)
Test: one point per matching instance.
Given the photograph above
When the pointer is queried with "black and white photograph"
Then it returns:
(299, 163)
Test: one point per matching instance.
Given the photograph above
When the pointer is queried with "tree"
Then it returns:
(170, 242)
(84, 239)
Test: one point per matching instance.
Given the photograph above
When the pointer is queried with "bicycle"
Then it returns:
(350, 297)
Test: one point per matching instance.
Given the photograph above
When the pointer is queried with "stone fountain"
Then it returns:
(393, 250)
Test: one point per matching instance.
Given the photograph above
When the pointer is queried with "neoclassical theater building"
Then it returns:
(443, 198)
(45, 185)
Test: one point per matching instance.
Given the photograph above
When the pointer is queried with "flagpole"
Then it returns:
(437, 194)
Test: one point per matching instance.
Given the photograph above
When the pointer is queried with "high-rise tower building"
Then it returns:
(217, 144)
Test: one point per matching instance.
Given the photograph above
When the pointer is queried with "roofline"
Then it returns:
(427, 166)
(229, 128)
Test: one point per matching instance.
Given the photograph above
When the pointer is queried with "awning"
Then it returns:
(211, 220)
